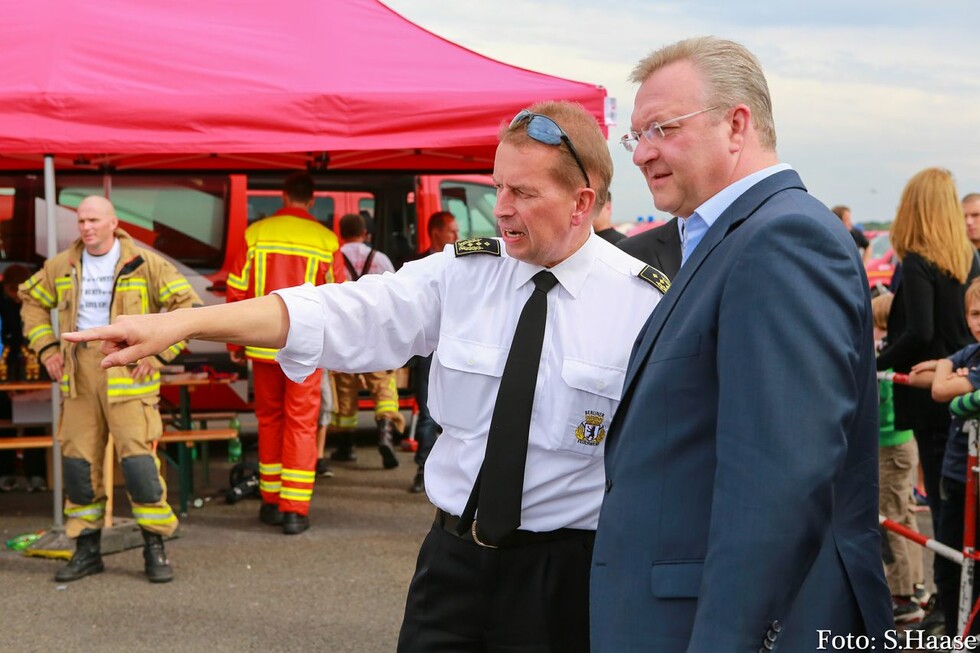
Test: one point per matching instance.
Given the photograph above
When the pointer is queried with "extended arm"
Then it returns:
(260, 322)
(375, 324)
(922, 374)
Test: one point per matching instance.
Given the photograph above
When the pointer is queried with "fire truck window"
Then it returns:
(473, 205)
(182, 218)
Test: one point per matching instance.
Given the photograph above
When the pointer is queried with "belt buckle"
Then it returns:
(476, 538)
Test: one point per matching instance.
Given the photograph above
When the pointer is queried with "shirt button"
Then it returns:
(470, 361)
(608, 485)
(600, 384)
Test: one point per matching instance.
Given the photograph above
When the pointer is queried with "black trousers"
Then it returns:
(465, 598)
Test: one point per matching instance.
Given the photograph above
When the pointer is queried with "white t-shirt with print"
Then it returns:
(98, 273)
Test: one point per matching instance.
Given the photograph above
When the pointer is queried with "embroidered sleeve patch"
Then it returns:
(477, 246)
(655, 278)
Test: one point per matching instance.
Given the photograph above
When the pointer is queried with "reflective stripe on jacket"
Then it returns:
(288, 248)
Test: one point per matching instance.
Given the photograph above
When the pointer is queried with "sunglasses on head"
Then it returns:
(545, 130)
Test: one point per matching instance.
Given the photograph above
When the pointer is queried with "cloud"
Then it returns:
(865, 94)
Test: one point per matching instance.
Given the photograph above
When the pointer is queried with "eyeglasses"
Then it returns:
(545, 130)
(655, 129)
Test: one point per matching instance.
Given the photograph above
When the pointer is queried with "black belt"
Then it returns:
(449, 523)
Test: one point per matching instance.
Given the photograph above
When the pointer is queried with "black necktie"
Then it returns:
(500, 484)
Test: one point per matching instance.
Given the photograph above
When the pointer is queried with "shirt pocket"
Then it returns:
(463, 385)
(593, 391)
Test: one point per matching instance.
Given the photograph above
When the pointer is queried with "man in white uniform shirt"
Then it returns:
(529, 591)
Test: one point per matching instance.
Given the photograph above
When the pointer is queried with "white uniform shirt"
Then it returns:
(98, 275)
(466, 310)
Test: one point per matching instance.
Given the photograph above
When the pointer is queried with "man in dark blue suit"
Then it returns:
(741, 495)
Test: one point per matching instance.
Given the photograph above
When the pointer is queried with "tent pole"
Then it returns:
(51, 206)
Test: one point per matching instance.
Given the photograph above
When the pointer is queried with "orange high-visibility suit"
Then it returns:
(286, 249)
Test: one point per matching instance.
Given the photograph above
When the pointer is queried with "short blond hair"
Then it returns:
(731, 74)
(584, 133)
(881, 306)
(929, 222)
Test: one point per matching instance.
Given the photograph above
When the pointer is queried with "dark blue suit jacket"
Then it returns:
(659, 247)
(742, 474)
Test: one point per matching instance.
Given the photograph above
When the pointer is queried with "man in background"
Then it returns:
(288, 248)
(659, 247)
(603, 223)
(971, 212)
(360, 260)
(443, 230)
(860, 240)
(101, 276)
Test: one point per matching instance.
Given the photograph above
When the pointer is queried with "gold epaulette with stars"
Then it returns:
(477, 246)
(655, 278)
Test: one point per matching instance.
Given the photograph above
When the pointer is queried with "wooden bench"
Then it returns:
(27, 442)
(202, 417)
(184, 439)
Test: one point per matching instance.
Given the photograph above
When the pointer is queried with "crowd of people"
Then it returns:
(702, 477)
(924, 329)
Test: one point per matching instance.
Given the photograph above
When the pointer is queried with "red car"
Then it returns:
(880, 259)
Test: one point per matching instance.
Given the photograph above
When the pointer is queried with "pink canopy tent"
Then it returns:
(232, 84)
(118, 85)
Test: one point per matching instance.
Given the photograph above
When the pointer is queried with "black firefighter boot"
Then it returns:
(387, 435)
(86, 560)
(157, 567)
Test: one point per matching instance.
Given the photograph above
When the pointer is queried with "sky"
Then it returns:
(865, 93)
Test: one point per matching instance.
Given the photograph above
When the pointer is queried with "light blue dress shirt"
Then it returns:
(697, 224)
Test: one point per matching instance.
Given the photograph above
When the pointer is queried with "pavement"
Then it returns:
(239, 585)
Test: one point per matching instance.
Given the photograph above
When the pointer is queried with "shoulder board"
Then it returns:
(655, 278)
(477, 246)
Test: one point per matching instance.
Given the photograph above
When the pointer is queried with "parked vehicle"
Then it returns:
(881, 259)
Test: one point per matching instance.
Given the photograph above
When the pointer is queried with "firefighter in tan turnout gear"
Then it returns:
(102, 275)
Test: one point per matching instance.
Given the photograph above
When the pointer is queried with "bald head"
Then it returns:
(97, 223)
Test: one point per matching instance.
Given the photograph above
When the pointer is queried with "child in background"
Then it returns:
(951, 377)
(898, 458)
